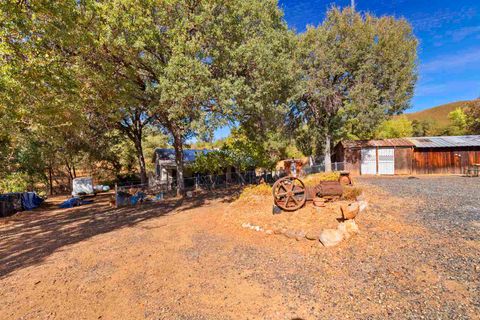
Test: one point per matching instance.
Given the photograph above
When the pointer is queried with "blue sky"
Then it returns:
(449, 35)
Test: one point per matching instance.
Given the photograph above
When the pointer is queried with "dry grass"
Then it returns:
(351, 193)
(439, 114)
(314, 179)
(257, 190)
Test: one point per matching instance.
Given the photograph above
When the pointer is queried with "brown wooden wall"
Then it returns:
(403, 160)
(351, 157)
(444, 160)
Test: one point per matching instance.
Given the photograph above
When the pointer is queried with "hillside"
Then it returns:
(439, 114)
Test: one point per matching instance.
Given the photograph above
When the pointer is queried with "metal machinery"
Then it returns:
(290, 193)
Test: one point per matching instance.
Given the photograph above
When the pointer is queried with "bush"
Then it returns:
(258, 190)
(351, 193)
(14, 182)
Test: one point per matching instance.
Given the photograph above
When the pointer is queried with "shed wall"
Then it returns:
(403, 160)
(444, 160)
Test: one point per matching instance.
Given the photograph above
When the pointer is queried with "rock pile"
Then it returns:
(328, 237)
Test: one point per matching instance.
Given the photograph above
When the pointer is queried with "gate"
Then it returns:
(386, 161)
(368, 161)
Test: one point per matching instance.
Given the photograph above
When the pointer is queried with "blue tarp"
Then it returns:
(74, 202)
(30, 200)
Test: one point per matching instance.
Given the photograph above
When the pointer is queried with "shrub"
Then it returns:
(314, 179)
(351, 193)
(14, 182)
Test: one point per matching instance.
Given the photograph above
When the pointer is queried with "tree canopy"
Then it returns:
(354, 70)
(98, 84)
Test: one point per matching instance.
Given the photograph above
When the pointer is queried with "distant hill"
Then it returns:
(439, 114)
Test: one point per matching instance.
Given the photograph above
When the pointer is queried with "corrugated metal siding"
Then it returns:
(446, 142)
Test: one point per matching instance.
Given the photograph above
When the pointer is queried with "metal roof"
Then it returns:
(395, 142)
(446, 141)
(418, 142)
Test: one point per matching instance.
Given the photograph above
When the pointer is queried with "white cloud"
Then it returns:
(453, 62)
(460, 34)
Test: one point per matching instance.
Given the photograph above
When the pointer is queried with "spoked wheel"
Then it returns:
(289, 193)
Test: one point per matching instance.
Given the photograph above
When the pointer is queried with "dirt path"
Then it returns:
(192, 261)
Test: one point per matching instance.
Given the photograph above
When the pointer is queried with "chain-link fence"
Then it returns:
(157, 190)
(335, 166)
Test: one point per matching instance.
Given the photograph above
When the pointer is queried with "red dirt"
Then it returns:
(193, 260)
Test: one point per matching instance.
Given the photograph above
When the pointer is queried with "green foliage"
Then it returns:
(212, 162)
(424, 128)
(15, 182)
(398, 127)
(243, 153)
(354, 70)
(473, 117)
(459, 124)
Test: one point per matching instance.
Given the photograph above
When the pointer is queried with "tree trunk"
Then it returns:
(74, 170)
(141, 160)
(50, 180)
(178, 145)
(328, 153)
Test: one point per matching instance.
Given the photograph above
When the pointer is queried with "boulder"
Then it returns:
(362, 206)
(350, 211)
(348, 228)
(331, 237)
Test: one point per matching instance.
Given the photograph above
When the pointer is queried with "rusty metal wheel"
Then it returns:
(289, 193)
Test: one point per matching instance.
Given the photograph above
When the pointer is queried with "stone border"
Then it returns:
(328, 237)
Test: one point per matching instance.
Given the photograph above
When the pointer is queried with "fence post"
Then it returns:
(116, 191)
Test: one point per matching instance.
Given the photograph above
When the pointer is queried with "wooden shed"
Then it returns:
(422, 155)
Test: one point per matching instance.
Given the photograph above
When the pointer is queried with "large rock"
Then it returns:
(350, 211)
(362, 206)
(348, 228)
(331, 237)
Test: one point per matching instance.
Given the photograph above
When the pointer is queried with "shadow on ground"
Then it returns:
(30, 237)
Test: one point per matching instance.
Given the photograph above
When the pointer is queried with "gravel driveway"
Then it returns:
(450, 206)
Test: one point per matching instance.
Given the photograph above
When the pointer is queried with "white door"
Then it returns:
(386, 161)
(368, 161)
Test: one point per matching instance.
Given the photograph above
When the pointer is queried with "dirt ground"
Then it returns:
(192, 259)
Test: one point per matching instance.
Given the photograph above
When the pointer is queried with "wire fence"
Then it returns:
(335, 166)
(157, 190)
